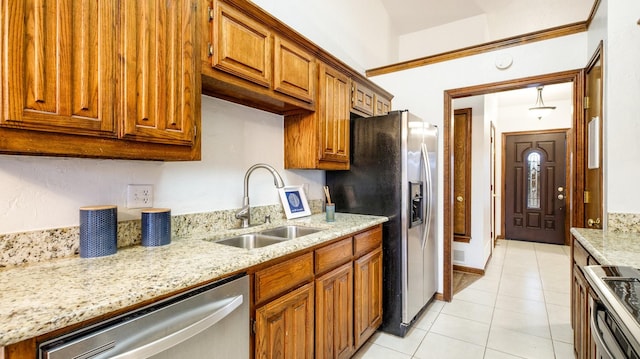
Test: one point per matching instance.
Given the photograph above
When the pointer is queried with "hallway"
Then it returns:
(519, 309)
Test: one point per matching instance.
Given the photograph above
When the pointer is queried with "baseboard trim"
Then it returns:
(439, 296)
(468, 269)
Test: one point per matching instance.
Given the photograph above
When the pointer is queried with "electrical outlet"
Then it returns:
(139, 196)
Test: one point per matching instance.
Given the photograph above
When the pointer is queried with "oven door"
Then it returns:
(602, 329)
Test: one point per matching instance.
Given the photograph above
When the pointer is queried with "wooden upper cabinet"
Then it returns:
(369, 100)
(382, 105)
(334, 94)
(58, 66)
(320, 140)
(362, 99)
(294, 71)
(248, 61)
(104, 79)
(241, 46)
(160, 71)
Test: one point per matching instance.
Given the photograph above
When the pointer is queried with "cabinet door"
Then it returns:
(368, 295)
(362, 99)
(161, 78)
(382, 106)
(58, 66)
(284, 326)
(333, 112)
(334, 313)
(294, 71)
(581, 315)
(241, 46)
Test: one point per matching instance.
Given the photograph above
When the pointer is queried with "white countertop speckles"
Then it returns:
(610, 247)
(39, 298)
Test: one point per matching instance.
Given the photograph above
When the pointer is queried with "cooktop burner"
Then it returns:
(627, 290)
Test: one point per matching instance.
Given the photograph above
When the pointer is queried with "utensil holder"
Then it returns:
(98, 231)
(156, 227)
(330, 210)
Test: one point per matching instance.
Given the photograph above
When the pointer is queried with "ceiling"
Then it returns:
(412, 15)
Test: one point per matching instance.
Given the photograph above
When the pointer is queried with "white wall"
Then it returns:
(511, 19)
(622, 106)
(358, 32)
(474, 251)
(421, 89)
(43, 192)
(443, 38)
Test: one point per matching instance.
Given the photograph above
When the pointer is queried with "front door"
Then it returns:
(535, 188)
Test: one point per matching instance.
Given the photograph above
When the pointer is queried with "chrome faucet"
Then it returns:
(245, 212)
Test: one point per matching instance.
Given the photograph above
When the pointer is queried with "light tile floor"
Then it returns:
(519, 309)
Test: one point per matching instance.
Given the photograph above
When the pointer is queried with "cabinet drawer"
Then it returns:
(333, 255)
(367, 241)
(580, 255)
(282, 277)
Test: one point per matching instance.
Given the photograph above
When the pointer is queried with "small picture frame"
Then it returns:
(294, 201)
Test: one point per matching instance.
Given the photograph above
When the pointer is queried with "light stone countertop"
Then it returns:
(610, 247)
(39, 298)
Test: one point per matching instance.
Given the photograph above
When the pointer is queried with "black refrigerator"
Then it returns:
(393, 173)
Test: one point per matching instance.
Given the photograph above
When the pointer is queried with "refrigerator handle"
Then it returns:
(427, 198)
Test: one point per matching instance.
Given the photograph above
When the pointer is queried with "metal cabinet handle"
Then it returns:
(459, 199)
(427, 173)
(183, 334)
(592, 223)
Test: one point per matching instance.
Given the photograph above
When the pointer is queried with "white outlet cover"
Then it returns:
(139, 196)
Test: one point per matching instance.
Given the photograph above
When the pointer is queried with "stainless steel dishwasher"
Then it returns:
(211, 321)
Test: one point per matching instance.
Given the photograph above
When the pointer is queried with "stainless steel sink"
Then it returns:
(290, 232)
(251, 240)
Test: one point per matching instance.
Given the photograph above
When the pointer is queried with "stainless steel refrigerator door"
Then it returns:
(413, 257)
(430, 170)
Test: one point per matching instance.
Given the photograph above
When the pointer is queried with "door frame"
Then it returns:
(574, 76)
(567, 171)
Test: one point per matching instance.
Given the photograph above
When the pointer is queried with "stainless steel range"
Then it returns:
(615, 314)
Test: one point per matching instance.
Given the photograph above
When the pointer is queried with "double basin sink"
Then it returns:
(267, 237)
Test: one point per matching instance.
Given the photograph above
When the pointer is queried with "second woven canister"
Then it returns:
(156, 227)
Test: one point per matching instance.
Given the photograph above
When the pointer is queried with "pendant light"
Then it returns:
(539, 110)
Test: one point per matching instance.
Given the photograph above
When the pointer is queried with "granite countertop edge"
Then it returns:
(610, 248)
(40, 298)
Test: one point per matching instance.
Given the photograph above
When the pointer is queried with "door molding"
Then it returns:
(503, 184)
(574, 76)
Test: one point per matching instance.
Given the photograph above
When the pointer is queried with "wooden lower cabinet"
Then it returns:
(284, 326)
(345, 311)
(368, 295)
(583, 344)
(334, 313)
(580, 314)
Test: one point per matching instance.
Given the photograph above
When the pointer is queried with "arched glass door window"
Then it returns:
(533, 180)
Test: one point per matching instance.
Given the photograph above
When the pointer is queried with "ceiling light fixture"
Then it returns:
(539, 110)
